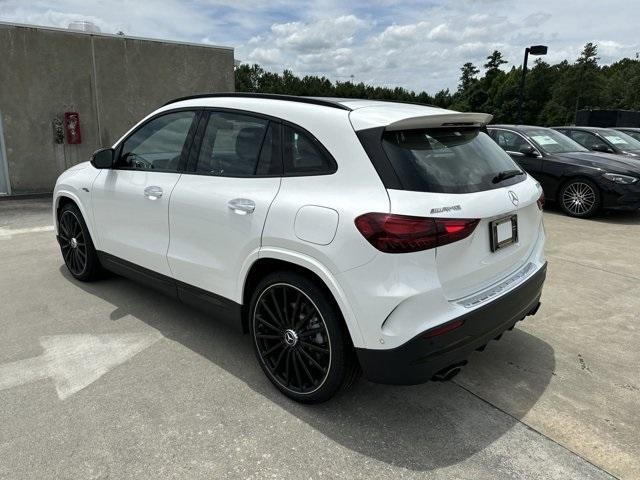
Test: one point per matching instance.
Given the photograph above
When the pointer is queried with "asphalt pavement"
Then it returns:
(113, 380)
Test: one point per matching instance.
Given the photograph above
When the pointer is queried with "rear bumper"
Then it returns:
(419, 359)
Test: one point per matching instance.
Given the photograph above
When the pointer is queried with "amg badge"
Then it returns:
(446, 209)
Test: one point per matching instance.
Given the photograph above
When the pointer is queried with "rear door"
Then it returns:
(462, 173)
(131, 201)
(220, 204)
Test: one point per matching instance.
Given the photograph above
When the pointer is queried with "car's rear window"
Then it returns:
(448, 160)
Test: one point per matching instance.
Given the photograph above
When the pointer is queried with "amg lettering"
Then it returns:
(446, 209)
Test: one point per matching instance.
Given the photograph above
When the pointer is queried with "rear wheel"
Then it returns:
(76, 245)
(300, 339)
(580, 198)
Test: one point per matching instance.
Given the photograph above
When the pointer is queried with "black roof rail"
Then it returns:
(270, 96)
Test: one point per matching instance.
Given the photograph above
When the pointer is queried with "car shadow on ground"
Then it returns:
(619, 217)
(420, 427)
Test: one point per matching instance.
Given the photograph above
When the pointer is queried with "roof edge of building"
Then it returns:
(112, 35)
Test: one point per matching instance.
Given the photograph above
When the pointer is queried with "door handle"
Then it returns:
(242, 206)
(153, 192)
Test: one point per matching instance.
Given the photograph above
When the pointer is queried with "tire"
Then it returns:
(76, 245)
(580, 198)
(300, 339)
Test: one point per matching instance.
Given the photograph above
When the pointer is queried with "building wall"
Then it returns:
(111, 81)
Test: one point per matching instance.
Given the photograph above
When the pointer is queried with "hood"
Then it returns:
(79, 166)
(603, 161)
(632, 153)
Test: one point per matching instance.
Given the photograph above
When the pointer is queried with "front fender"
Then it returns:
(77, 187)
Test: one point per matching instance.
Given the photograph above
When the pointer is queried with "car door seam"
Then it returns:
(266, 217)
(166, 253)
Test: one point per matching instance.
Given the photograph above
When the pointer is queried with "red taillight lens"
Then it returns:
(442, 329)
(391, 233)
(453, 229)
(541, 201)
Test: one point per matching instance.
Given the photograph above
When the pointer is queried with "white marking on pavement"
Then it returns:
(8, 232)
(75, 361)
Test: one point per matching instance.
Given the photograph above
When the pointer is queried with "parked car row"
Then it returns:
(583, 169)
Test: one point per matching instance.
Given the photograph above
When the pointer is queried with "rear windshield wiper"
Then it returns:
(506, 174)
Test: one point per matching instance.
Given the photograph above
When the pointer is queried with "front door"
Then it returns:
(219, 207)
(513, 144)
(131, 201)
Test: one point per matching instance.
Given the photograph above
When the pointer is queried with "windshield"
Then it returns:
(550, 141)
(449, 160)
(635, 135)
(620, 139)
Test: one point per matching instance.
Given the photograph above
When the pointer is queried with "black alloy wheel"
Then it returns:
(300, 341)
(76, 245)
(292, 338)
(73, 243)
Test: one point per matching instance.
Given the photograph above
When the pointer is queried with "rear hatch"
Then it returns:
(453, 170)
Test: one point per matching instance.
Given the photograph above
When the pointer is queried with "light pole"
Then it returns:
(533, 50)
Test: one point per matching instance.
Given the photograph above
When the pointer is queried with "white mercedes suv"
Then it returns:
(343, 235)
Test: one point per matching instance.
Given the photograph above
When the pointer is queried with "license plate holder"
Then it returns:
(503, 232)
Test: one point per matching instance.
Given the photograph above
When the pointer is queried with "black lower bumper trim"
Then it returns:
(419, 359)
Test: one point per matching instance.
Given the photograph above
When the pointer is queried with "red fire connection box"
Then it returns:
(72, 128)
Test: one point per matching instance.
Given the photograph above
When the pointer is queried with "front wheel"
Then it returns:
(76, 245)
(580, 198)
(300, 339)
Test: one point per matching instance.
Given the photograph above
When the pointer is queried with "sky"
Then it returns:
(419, 45)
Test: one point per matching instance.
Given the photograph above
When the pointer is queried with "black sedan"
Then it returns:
(631, 131)
(582, 182)
(606, 140)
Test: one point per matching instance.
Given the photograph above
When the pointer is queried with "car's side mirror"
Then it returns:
(103, 158)
(528, 151)
(600, 147)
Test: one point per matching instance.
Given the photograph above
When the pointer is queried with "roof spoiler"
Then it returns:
(453, 119)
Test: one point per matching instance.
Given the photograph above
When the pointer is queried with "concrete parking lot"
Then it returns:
(111, 380)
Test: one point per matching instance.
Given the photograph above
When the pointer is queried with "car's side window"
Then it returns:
(303, 154)
(158, 144)
(510, 141)
(239, 145)
(270, 161)
(586, 139)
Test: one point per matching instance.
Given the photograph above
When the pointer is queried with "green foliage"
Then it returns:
(253, 78)
(553, 93)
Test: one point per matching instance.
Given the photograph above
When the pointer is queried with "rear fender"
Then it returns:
(322, 272)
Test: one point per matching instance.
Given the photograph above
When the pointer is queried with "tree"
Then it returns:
(495, 60)
(587, 78)
(589, 55)
(468, 76)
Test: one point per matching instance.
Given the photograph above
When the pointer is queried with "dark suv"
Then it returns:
(606, 140)
(582, 182)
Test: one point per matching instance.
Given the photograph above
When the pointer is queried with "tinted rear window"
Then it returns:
(447, 160)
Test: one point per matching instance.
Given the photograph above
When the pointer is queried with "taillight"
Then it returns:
(541, 201)
(442, 329)
(392, 233)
